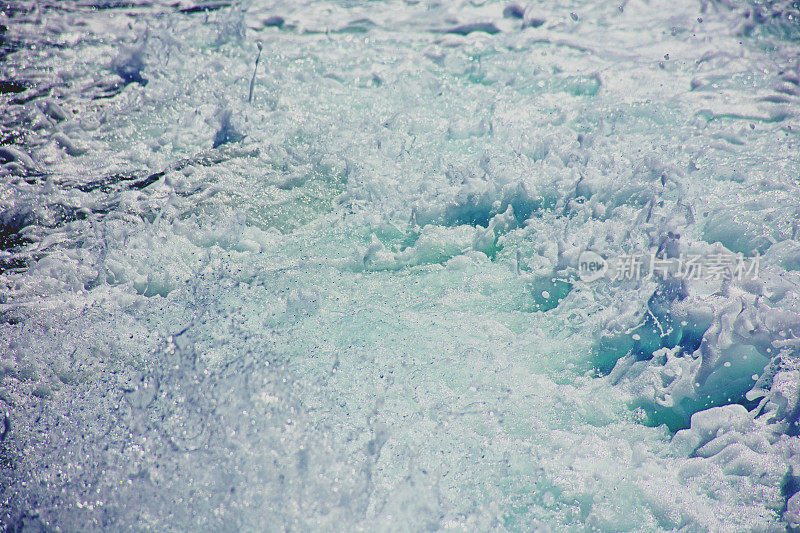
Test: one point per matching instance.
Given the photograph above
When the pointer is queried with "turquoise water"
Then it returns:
(339, 287)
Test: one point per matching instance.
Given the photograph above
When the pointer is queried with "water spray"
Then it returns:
(255, 71)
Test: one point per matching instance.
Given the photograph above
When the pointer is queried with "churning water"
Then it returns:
(396, 265)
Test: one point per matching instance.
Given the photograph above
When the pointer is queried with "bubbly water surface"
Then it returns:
(337, 287)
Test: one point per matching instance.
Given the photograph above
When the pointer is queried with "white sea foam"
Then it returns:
(353, 302)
